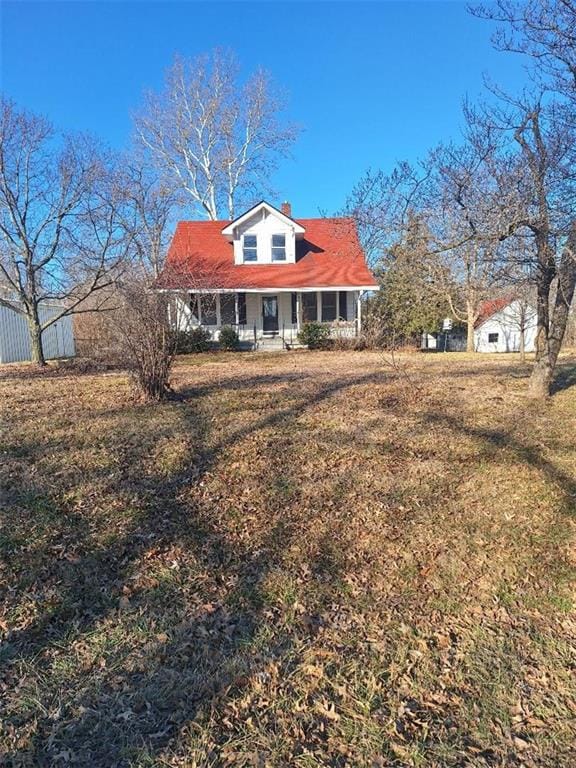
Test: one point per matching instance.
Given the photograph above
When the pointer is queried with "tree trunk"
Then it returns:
(522, 343)
(470, 322)
(35, 331)
(551, 329)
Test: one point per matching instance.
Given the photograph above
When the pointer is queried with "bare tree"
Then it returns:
(148, 205)
(456, 198)
(543, 30)
(543, 129)
(210, 136)
(542, 183)
(60, 234)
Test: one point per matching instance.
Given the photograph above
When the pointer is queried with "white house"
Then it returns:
(57, 339)
(265, 273)
(501, 325)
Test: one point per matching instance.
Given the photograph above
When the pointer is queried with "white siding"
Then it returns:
(506, 323)
(180, 315)
(264, 225)
(57, 340)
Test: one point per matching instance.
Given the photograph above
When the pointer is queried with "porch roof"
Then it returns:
(329, 256)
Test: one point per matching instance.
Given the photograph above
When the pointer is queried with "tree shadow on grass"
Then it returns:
(565, 378)
(162, 656)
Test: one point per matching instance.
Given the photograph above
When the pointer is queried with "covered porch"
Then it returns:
(258, 315)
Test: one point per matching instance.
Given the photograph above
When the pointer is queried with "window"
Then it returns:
(242, 308)
(209, 316)
(492, 338)
(309, 307)
(227, 309)
(329, 310)
(343, 301)
(278, 247)
(250, 248)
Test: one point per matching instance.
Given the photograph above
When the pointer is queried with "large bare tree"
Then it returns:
(545, 186)
(454, 195)
(61, 239)
(544, 31)
(148, 208)
(211, 136)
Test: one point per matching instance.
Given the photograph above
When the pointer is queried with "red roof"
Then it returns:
(489, 308)
(329, 255)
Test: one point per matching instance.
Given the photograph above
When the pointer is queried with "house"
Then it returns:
(266, 273)
(57, 339)
(502, 324)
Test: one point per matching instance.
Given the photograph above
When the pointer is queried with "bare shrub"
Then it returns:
(145, 343)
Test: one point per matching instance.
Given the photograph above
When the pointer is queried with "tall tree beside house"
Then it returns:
(211, 136)
(543, 130)
(61, 238)
(466, 213)
(460, 210)
(409, 301)
(148, 207)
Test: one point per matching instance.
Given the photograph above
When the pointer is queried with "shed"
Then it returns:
(57, 339)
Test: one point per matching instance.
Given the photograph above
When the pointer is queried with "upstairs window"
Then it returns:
(278, 247)
(250, 248)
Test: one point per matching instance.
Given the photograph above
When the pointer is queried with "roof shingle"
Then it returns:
(329, 255)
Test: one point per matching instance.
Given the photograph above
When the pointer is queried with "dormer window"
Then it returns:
(278, 247)
(250, 248)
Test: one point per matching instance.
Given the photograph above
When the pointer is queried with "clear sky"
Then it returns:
(369, 82)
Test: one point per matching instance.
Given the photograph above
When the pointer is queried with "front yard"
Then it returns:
(310, 559)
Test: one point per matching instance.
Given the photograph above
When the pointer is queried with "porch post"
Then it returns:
(218, 314)
(298, 310)
(319, 306)
(359, 311)
(236, 310)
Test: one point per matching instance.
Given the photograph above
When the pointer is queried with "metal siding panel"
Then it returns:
(57, 340)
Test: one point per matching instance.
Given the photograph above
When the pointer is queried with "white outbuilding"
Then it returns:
(503, 323)
(57, 339)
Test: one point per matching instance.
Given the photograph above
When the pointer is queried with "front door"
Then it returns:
(270, 313)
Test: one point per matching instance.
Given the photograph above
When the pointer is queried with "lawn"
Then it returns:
(306, 559)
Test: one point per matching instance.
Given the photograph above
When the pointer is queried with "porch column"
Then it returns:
(298, 310)
(359, 311)
(236, 310)
(319, 306)
(218, 314)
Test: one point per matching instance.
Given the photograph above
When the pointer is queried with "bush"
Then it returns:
(145, 343)
(314, 335)
(229, 339)
(192, 341)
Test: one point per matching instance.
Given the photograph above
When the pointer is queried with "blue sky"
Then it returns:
(370, 82)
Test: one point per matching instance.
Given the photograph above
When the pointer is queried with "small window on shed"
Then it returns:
(492, 338)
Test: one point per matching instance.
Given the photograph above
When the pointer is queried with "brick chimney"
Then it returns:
(286, 209)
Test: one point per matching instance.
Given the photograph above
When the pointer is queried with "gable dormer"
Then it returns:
(264, 235)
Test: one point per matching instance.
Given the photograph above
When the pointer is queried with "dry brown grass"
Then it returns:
(311, 559)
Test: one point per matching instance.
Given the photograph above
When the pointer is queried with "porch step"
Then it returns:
(270, 344)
